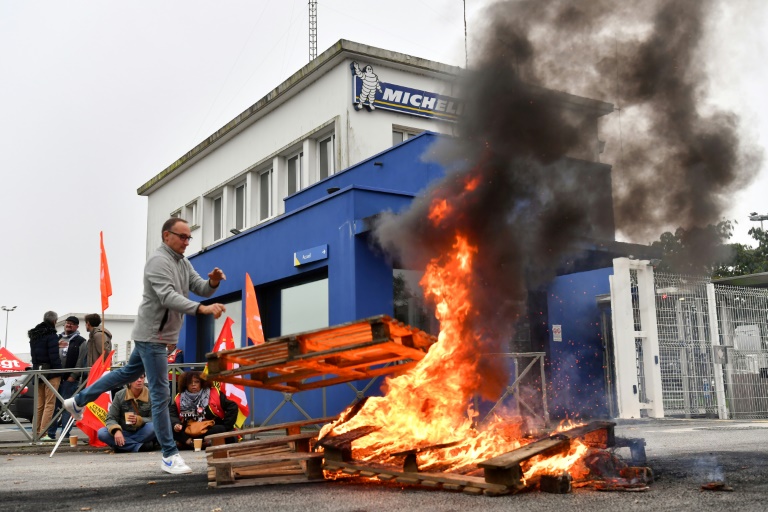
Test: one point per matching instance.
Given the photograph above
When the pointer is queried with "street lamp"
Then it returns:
(7, 312)
(754, 216)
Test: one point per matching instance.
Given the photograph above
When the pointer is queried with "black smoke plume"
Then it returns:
(527, 146)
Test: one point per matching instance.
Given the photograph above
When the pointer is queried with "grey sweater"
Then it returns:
(168, 279)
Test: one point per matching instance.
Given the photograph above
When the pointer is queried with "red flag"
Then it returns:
(95, 413)
(106, 282)
(234, 392)
(253, 329)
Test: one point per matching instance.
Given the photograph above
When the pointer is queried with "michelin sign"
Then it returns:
(369, 92)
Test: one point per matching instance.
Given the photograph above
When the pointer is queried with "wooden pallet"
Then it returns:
(502, 474)
(267, 459)
(507, 469)
(448, 481)
(343, 353)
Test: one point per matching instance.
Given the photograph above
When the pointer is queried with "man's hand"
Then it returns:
(216, 276)
(177, 427)
(212, 309)
(119, 439)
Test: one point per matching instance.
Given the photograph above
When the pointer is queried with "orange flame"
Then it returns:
(430, 404)
(556, 464)
(438, 211)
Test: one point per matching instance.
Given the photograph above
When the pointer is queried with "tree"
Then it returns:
(705, 251)
(695, 250)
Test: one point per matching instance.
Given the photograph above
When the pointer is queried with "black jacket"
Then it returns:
(72, 355)
(44, 347)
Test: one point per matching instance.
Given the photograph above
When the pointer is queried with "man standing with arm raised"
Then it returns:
(168, 279)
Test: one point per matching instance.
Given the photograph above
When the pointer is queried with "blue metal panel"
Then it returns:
(575, 378)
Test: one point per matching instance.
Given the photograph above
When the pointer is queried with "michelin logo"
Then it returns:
(370, 86)
(399, 98)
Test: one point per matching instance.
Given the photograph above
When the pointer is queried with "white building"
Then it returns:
(303, 131)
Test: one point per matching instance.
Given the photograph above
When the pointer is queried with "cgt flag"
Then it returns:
(104, 279)
(95, 413)
(253, 328)
(234, 392)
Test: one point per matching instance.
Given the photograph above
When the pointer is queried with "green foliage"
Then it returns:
(705, 251)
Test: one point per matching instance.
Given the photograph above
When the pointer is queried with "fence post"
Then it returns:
(714, 332)
(627, 397)
(646, 290)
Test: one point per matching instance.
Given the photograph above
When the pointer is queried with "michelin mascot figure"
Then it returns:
(370, 85)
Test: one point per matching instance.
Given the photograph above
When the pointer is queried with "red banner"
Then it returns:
(95, 413)
(234, 392)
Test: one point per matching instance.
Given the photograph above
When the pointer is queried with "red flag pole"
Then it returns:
(105, 284)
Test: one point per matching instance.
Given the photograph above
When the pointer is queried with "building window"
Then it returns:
(218, 217)
(190, 213)
(265, 195)
(304, 307)
(294, 173)
(326, 157)
(408, 301)
(399, 135)
(240, 206)
(176, 214)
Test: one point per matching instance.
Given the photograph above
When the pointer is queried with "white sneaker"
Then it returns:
(175, 465)
(73, 409)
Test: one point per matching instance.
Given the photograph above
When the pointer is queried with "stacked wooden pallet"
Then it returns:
(353, 351)
(502, 474)
(267, 458)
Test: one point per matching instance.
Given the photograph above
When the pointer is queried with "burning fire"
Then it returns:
(430, 405)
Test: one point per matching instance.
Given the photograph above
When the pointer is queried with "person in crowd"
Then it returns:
(97, 344)
(70, 342)
(200, 410)
(168, 279)
(44, 350)
(129, 421)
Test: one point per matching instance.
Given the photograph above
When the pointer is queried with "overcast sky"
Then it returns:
(98, 97)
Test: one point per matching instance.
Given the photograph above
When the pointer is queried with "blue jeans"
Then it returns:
(133, 440)
(150, 359)
(66, 390)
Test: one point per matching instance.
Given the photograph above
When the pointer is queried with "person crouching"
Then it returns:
(200, 410)
(129, 421)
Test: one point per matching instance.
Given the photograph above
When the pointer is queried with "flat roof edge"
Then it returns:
(328, 56)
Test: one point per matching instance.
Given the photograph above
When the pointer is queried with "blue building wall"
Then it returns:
(575, 377)
(360, 281)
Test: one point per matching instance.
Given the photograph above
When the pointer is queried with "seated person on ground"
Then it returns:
(129, 421)
(200, 410)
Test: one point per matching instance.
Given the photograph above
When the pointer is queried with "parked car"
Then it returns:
(23, 406)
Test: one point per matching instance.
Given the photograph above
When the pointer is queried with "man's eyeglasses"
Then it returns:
(183, 238)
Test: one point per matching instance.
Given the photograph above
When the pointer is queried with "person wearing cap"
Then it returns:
(70, 342)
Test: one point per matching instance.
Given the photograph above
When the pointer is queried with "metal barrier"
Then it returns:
(743, 327)
(529, 359)
(32, 379)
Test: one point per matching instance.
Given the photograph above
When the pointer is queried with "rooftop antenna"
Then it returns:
(312, 30)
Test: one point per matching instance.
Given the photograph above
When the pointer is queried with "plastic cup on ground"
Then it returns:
(73, 441)
(198, 444)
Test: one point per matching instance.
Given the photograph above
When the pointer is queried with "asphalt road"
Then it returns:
(684, 454)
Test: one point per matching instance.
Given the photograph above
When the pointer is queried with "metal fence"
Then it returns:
(685, 346)
(743, 324)
(712, 338)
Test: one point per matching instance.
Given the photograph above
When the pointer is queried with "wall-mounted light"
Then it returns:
(235, 231)
(378, 164)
